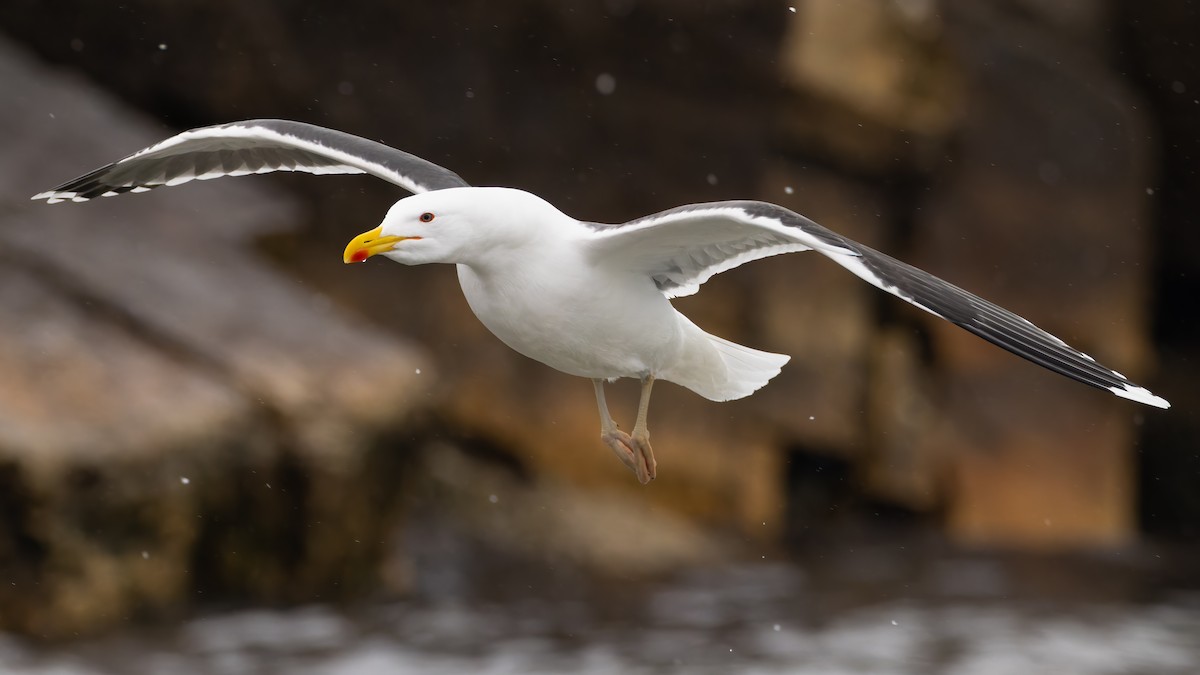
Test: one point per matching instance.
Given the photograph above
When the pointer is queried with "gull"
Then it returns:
(588, 299)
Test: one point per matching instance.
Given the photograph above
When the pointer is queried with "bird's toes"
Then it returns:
(647, 467)
(622, 446)
(634, 452)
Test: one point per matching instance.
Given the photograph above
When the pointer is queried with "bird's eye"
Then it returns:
(426, 217)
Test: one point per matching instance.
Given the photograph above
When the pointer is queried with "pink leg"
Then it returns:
(633, 451)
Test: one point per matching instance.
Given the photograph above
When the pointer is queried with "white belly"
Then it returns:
(572, 321)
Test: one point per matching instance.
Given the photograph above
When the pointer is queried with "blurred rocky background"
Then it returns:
(201, 406)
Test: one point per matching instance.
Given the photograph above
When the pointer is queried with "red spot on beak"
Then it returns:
(360, 255)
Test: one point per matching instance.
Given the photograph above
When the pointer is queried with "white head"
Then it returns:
(457, 225)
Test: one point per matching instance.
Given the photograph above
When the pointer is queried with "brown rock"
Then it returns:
(1050, 183)
(874, 85)
(544, 518)
(178, 417)
(899, 465)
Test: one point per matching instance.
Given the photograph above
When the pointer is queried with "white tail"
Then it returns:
(720, 370)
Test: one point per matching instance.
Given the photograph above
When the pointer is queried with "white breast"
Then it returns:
(556, 309)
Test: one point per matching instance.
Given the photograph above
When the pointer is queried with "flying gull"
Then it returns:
(588, 299)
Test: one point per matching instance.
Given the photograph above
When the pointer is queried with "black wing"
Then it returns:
(255, 146)
(683, 247)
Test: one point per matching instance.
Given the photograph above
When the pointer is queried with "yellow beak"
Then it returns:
(368, 244)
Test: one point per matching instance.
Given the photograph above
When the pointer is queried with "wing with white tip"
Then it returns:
(681, 248)
(254, 146)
